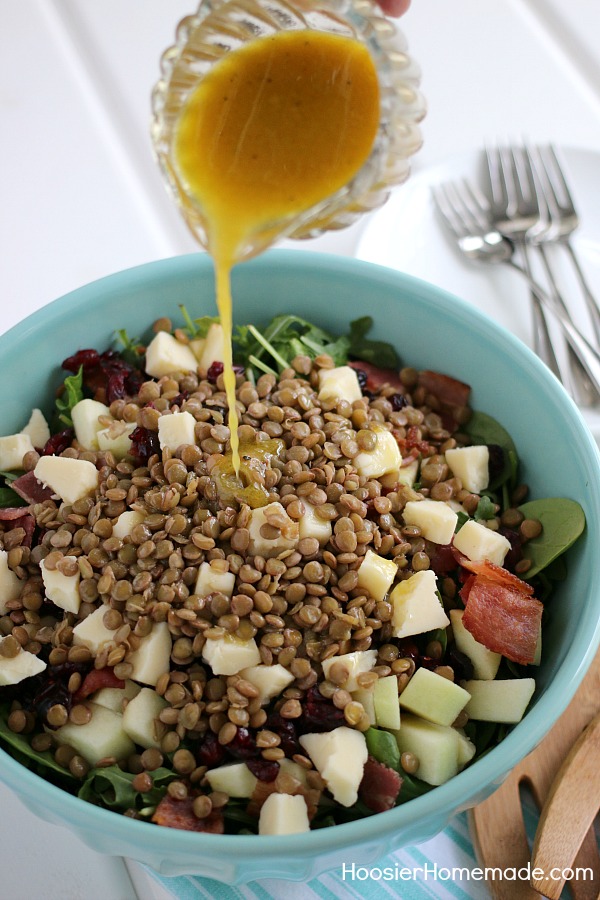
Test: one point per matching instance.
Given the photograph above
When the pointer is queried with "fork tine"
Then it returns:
(556, 179)
(477, 205)
(497, 183)
(447, 210)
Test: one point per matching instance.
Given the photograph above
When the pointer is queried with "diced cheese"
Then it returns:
(228, 655)
(14, 669)
(283, 814)
(71, 479)
(116, 438)
(212, 351)
(384, 458)
(485, 662)
(91, 632)
(416, 606)
(471, 465)
(356, 663)
(234, 779)
(435, 518)
(13, 448)
(269, 680)
(499, 701)
(312, 526)
(165, 355)
(10, 584)
(175, 429)
(339, 756)
(85, 416)
(433, 697)
(480, 543)
(140, 718)
(62, 590)
(101, 737)
(210, 580)
(126, 522)
(340, 383)
(153, 656)
(37, 428)
(261, 541)
(376, 574)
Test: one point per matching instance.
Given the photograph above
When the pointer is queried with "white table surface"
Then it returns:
(81, 197)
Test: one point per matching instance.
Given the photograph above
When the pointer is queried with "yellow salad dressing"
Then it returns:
(275, 127)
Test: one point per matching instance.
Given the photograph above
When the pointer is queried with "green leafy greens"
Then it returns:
(71, 395)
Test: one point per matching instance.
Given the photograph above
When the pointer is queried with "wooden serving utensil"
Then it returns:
(563, 775)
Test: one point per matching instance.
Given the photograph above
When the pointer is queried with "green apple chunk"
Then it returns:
(115, 698)
(386, 702)
(466, 748)
(102, 737)
(366, 699)
(283, 814)
(435, 746)
(499, 701)
(269, 681)
(140, 718)
(234, 779)
(485, 662)
(434, 697)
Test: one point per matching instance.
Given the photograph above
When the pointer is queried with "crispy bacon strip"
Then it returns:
(376, 377)
(449, 391)
(174, 813)
(380, 786)
(96, 679)
(495, 573)
(502, 618)
(30, 489)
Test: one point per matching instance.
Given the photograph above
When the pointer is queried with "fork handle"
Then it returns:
(590, 300)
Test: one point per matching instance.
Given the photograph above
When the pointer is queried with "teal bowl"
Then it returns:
(431, 329)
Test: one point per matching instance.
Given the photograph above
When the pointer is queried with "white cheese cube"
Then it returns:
(433, 697)
(234, 779)
(471, 465)
(435, 518)
(85, 416)
(101, 737)
(10, 584)
(91, 632)
(62, 590)
(116, 438)
(14, 669)
(339, 756)
(340, 383)
(435, 746)
(228, 655)
(210, 580)
(376, 574)
(416, 606)
(71, 479)
(126, 522)
(115, 698)
(384, 458)
(153, 657)
(283, 814)
(311, 526)
(13, 448)
(212, 351)
(165, 355)
(265, 545)
(499, 701)
(478, 542)
(175, 429)
(269, 680)
(37, 428)
(356, 663)
(140, 718)
(485, 662)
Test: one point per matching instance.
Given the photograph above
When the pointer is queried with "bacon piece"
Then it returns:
(96, 679)
(11, 513)
(502, 618)
(173, 813)
(376, 377)
(449, 391)
(29, 488)
(380, 786)
(495, 573)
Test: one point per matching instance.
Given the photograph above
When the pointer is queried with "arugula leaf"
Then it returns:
(112, 788)
(9, 498)
(72, 394)
(10, 476)
(379, 353)
(563, 521)
(133, 350)
(196, 328)
(22, 749)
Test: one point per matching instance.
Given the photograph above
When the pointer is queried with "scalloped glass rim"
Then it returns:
(220, 26)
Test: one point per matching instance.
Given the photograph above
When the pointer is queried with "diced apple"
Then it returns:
(466, 749)
(229, 654)
(386, 702)
(339, 756)
(384, 458)
(91, 632)
(116, 698)
(10, 584)
(471, 465)
(269, 680)
(37, 428)
(311, 526)
(478, 542)
(356, 663)
(499, 701)
(140, 718)
(85, 415)
(485, 662)
(126, 522)
(165, 355)
(196, 345)
(213, 346)
(13, 448)
(367, 700)
(433, 697)
(376, 574)
(101, 737)
(71, 479)
(211, 580)
(234, 779)
(175, 429)
(434, 517)
(294, 769)
(408, 473)
(62, 590)
(262, 543)
(340, 383)
(416, 606)
(14, 669)
(153, 656)
(116, 438)
(283, 814)
(435, 746)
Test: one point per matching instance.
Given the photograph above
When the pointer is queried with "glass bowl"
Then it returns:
(220, 26)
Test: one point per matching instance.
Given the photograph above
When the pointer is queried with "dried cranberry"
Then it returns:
(86, 359)
(115, 387)
(59, 442)
(286, 730)
(496, 461)
(461, 664)
(243, 745)
(210, 753)
(263, 769)
(179, 399)
(214, 370)
(144, 443)
(319, 713)
(40, 693)
(516, 547)
(398, 401)
(362, 378)
(442, 560)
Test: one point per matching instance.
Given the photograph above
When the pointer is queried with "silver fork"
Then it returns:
(467, 215)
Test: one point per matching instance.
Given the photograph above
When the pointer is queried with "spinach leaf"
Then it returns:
(412, 787)
(383, 747)
(379, 353)
(486, 508)
(484, 429)
(563, 521)
(8, 497)
(72, 394)
(112, 788)
(21, 749)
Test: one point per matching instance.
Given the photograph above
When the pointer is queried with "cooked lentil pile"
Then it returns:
(282, 577)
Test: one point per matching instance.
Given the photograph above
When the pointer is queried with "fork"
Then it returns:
(467, 216)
